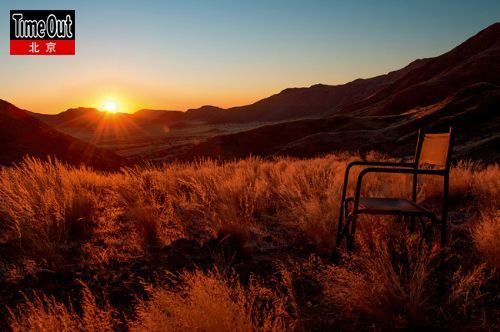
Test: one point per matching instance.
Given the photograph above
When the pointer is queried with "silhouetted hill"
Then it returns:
(421, 83)
(460, 88)
(431, 80)
(146, 115)
(362, 114)
(94, 126)
(472, 111)
(21, 135)
(78, 118)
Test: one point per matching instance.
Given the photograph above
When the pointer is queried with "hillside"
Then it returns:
(472, 111)
(21, 135)
(459, 88)
(421, 83)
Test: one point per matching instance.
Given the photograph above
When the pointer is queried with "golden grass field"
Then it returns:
(238, 246)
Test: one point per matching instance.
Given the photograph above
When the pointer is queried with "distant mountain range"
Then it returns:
(472, 111)
(459, 88)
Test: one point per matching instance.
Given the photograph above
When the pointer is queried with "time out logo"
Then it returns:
(42, 32)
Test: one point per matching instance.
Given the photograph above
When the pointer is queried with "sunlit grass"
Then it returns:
(55, 219)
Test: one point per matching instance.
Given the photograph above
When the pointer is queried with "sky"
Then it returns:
(178, 55)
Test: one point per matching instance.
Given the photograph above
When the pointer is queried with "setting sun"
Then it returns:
(110, 106)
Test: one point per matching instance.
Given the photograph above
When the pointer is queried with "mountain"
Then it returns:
(146, 115)
(459, 88)
(94, 126)
(73, 117)
(21, 135)
(472, 111)
(421, 83)
(79, 118)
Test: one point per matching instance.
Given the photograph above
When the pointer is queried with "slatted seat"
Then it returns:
(432, 157)
(395, 206)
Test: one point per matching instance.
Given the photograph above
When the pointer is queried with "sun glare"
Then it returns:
(110, 106)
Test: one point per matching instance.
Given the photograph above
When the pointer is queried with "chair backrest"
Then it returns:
(434, 150)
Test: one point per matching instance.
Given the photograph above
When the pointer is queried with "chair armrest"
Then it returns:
(369, 163)
(379, 163)
(414, 171)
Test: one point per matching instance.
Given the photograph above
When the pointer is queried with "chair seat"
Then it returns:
(371, 205)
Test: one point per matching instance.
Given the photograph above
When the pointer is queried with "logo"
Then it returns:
(42, 32)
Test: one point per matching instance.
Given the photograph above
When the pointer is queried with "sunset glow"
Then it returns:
(110, 106)
(180, 59)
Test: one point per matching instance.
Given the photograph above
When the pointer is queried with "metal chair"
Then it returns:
(432, 157)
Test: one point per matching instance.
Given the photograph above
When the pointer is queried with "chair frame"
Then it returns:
(394, 168)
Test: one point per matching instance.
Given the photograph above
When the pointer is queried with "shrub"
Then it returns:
(486, 235)
(211, 302)
(44, 313)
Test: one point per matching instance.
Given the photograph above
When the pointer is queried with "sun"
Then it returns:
(110, 106)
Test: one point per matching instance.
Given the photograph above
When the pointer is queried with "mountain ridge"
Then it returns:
(424, 85)
(392, 134)
(466, 77)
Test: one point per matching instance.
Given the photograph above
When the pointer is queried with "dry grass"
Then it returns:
(43, 313)
(486, 235)
(113, 231)
(213, 302)
(403, 285)
(392, 292)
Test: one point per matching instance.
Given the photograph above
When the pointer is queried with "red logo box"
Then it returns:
(42, 32)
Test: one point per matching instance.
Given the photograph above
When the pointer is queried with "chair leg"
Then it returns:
(341, 228)
(345, 231)
(350, 237)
